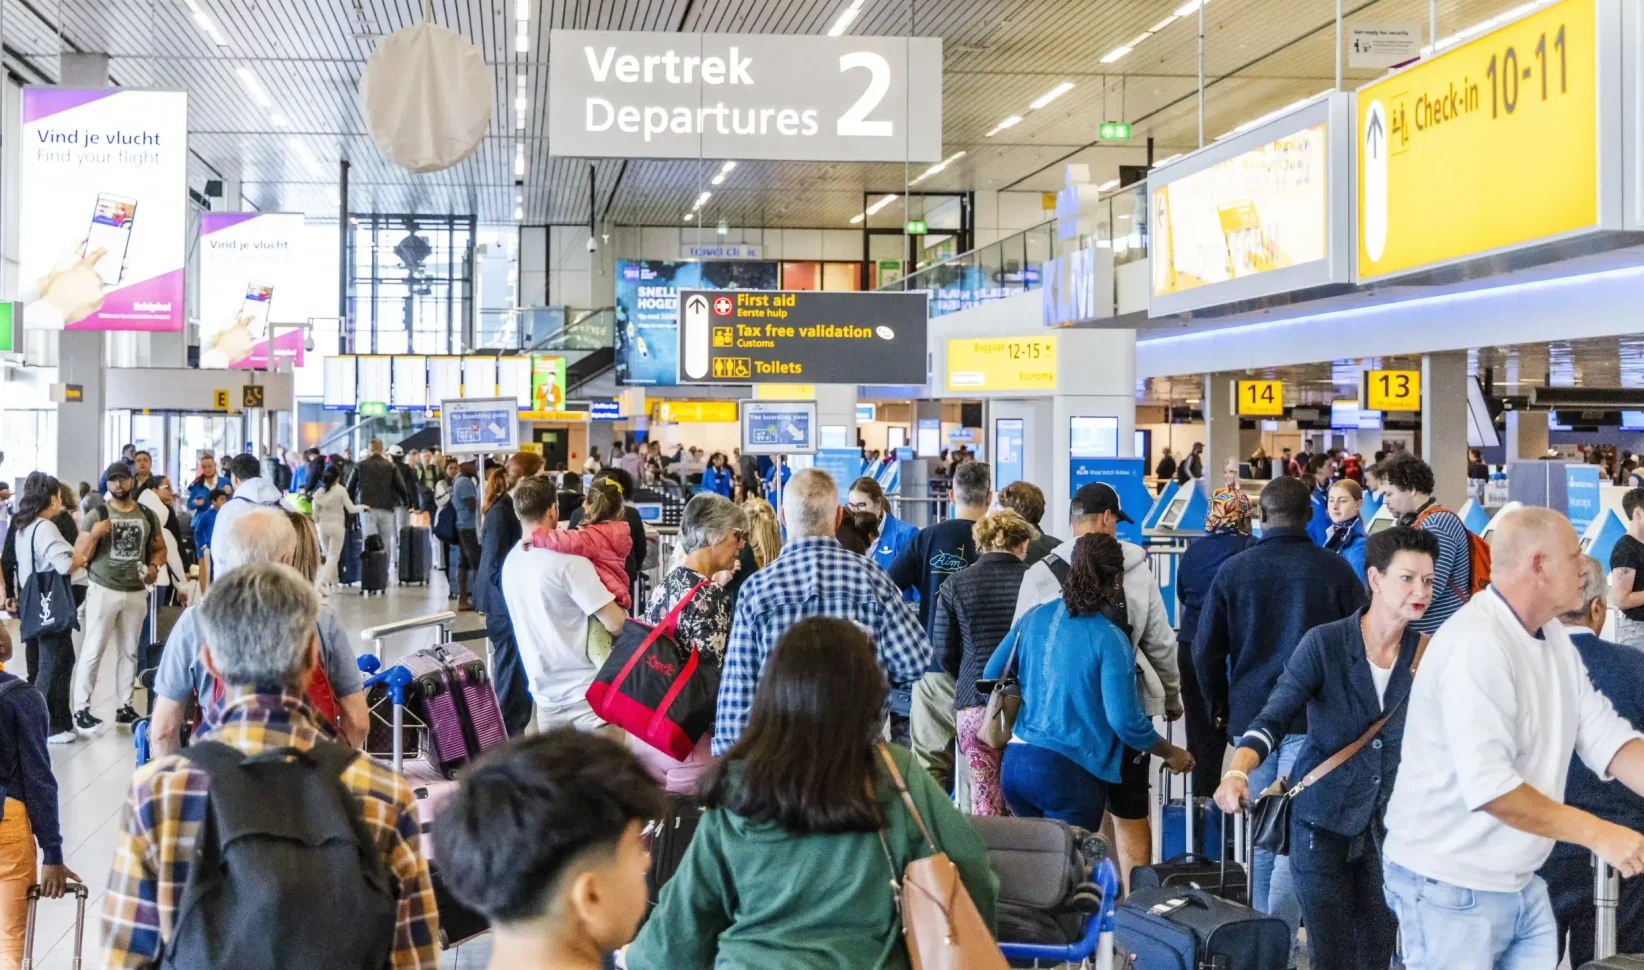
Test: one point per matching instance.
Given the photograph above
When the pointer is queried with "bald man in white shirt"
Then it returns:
(1499, 706)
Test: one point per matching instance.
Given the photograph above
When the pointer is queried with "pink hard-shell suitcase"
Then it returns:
(454, 697)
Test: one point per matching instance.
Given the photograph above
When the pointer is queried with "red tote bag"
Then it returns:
(655, 689)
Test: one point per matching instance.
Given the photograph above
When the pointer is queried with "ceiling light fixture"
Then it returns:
(857, 218)
(1188, 9)
(887, 200)
(519, 213)
(519, 161)
(206, 24)
(846, 17)
(254, 87)
(1010, 122)
(1114, 54)
(1109, 184)
(717, 180)
(938, 167)
(522, 39)
(728, 167)
(689, 216)
(1051, 95)
(1161, 25)
(522, 9)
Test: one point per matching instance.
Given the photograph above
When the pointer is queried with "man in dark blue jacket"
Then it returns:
(1617, 671)
(28, 808)
(1261, 603)
(501, 534)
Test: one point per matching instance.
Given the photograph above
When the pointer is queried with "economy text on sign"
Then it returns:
(797, 97)
(1002, 363)
(1258, 398)
(785, 336)
(1392, 390)
(1447, 148)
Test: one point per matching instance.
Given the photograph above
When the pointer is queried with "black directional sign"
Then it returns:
(801, 337)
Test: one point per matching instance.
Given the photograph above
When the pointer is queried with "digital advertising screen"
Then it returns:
(251, 276)
(647, 310)
(1093, 437)
(444, 378)
(1253, 213)
(409, 390)
(102, 203)
(342, 384)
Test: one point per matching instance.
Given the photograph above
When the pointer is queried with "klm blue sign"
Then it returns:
(1581, 484)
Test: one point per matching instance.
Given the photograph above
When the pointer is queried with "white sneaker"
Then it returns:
(67, 737)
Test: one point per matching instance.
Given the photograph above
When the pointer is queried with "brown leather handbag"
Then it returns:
(940, 923)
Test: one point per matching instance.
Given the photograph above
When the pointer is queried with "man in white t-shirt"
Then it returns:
(551, 596)
(1500, 704)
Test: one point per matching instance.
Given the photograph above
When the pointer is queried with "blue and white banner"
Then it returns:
(1581, 483)
(1126, 476)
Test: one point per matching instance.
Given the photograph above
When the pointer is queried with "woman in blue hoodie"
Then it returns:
(1346, 536)
(1080, 710)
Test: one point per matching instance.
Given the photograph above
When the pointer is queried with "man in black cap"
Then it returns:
(1258, 607)
(1095, 510)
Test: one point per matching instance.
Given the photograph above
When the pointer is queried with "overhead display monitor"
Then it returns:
(1258, 213)
(252, 278)
(341, 391)
(1093, 437)
(548, 384)
(779, 427)
(444, 378)
(376, 378)
(410, 387)
(784, 336)
(1501, 142)
(794, 97)
(1002, 363)
(479, 376)
(103, 178)
(647, 310)
(1009, 435)
(514, 380)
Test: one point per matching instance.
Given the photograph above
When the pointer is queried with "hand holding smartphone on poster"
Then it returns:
(240, 335)
(74, 286)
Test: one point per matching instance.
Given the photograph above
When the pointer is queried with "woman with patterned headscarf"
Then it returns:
(1227, 533)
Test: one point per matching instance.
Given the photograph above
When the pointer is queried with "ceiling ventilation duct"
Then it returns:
(426, 96)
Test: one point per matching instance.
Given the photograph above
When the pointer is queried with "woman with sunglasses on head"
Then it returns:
(1346, 676)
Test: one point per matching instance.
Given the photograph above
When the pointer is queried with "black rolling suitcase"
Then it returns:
(670, 837)
(374, 566)
(415, 554)
(350, 565)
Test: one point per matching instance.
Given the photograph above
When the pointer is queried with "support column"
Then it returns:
(81, 353)
(1444, 424)
(1221, 429)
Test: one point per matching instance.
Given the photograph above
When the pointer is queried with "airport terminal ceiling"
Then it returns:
(1595, 362)
(273, 101)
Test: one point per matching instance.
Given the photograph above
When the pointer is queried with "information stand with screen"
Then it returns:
(779, 427)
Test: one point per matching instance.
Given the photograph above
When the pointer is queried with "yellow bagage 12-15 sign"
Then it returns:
(1002, 363)
(1489, 145)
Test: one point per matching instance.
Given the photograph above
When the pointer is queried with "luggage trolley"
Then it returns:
(458, 924)
(1095, 949)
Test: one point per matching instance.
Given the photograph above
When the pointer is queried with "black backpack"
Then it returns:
(285, 872)
(1116, 612)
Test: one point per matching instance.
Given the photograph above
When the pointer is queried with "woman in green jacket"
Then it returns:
(787, 868)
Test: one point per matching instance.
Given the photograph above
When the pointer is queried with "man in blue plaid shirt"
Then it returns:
(814, 576)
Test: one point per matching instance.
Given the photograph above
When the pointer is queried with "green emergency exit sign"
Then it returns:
(917, 227)
(11, 328)
(1114, 131)
(373, 409)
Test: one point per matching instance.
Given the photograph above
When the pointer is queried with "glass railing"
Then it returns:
(1014, 264)
(579, 330)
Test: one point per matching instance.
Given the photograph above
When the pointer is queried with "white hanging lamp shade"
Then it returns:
(426, 95)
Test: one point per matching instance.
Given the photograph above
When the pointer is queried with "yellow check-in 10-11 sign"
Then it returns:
(1002, 363)
(1258, 398)
(1490, 145)
(1391, 390)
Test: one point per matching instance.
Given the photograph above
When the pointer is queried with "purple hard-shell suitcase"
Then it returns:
(453, 695)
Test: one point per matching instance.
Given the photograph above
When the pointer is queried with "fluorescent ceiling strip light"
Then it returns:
(887, 200)
(519, 161)
(1161, 25)
(522, 40)
(519, 213)
(1010, 122)
(254, 87)
(857, 218)
(717, 180)
(846, 18)
(1110, 183)
(522, 9)
(1188, 9)
(727, 167)
(1114, 54)
(689, 216)
(1051, 95)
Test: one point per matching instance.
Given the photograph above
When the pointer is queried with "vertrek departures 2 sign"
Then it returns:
(620, 94)
(791, 337)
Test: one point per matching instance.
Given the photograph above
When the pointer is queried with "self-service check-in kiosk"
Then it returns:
(1181, 508)
(1495, 520)
(1474, 517)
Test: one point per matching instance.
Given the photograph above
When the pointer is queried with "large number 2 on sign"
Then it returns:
(854, 123)
(1395, 386)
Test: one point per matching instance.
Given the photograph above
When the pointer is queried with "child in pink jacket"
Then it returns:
(602, 538)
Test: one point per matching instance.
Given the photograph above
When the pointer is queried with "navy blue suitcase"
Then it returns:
(1207, 831)
(1189, 929)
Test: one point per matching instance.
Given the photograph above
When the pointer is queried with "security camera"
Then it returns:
(308, 342)
(593, 244)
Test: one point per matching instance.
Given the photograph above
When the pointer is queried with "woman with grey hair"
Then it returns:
(712, 531)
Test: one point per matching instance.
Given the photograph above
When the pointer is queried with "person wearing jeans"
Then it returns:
(1272, 890)
(123, 550)
(41, 547)
(1502, 702)
(1080, 710)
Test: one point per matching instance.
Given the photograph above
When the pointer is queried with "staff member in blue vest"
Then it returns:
(867, 496)
(718, 477)
(1346, 537)
(1321, 470)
